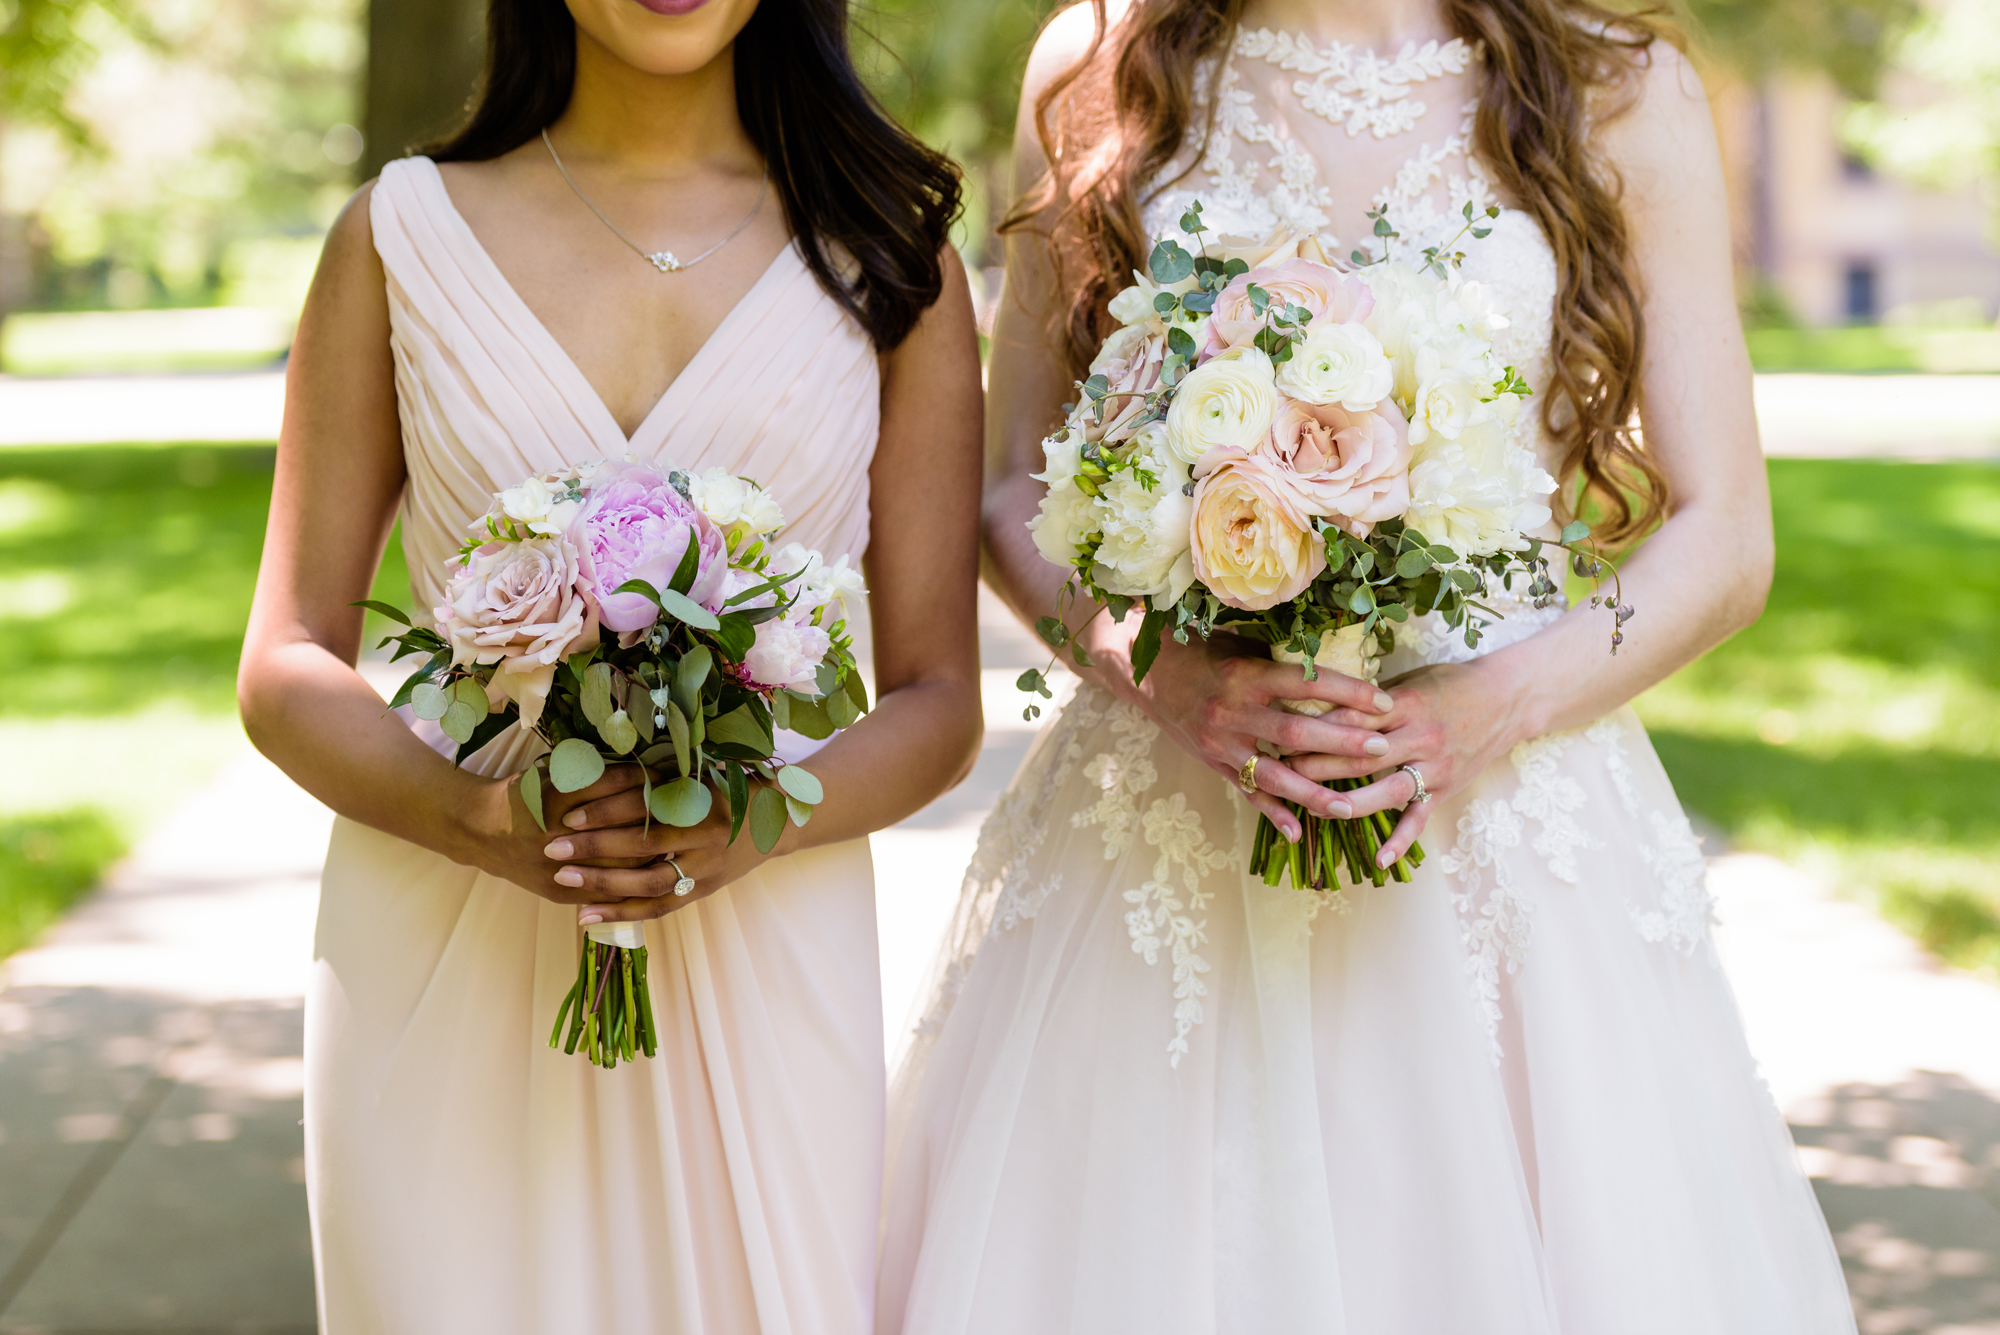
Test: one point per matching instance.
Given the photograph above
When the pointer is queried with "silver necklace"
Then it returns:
(662, 260)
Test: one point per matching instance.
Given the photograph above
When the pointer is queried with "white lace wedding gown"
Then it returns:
(1150, 1094)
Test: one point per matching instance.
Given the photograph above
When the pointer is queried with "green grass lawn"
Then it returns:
(125, 581)
(1856, 728)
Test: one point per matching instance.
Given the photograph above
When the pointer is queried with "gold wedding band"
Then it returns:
(685, 885)
(1246, 778)
(1423, 794)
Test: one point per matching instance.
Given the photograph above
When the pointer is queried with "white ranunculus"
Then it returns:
(1145, 552)
(734, 502)
(1480, 493)
(1225, 403)
(1338, 363)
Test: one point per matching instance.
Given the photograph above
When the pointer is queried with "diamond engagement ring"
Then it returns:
(1423, 793)
(685, 885)
(1246, 778)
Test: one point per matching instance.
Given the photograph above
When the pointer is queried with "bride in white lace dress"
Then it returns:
(1150, 1094)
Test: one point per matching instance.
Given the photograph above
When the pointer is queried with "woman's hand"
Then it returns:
(1216, 700)
(501, 838)
(605, 857)
(1449, 721)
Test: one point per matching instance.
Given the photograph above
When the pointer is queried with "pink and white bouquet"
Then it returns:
(623, 614)
(1305, 453)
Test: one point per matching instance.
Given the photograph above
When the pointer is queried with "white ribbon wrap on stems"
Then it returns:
(624, 935)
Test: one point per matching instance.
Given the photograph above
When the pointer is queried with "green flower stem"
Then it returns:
(609, 1009)
(1326, 848)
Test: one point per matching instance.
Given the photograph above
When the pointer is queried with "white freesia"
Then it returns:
(1225, 403)
(735, 503)
(1146, 548)
(1479, 493)
(817, 582)
(1339, 363)
(1133, 307)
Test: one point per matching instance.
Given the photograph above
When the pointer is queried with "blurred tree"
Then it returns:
(1847, 40)
(423, 60)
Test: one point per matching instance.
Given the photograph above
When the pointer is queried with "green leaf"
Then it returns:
(1052, 631)
(489, 727)
(467, 711)
(1146, 645)
(740, 727)
(595, 698)
(801, 784)
(800, 812)
(1413, 563)
(1575, 531)
(840, 709)
(429, 701)
(857, 690)
(689, 567)
(574, 765)
(1169, 263)
(810, 719)
(781, 709)
(1180, 341)
(736, 784)
(531, 795)
(383, 609)
(826, 677)
(677, 729)
(1164, 302)
(638, 586)
(736, 633)
(689, 675)
(619, 732)
(1032, 680)
(685, 609)
(1363, 601)
(657, 755)
(685, 801)
(767, 818)
(1080, 654)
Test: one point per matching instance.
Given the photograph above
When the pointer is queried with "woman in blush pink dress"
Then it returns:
(678, 231)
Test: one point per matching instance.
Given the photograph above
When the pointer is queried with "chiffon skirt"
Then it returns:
(465, 1177)
(1152, 1095)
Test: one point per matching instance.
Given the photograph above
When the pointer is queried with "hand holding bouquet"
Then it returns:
(1306, 455)
(624, 614)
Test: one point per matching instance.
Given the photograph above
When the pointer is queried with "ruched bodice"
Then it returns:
(785, 390)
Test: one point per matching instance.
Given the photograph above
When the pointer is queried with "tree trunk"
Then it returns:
(423, 62)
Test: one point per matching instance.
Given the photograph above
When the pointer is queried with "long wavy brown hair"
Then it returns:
(1116, 120)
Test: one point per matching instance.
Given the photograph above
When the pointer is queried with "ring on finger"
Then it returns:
(1246, 778)
(1423, 794)
(685, 885)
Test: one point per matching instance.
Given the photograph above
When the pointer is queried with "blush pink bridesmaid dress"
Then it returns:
(464, 1176)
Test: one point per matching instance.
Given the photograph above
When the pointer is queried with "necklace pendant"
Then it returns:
(665, 262)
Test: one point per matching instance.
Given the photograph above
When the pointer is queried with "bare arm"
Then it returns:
(1704, 574)
(923, 568)
(1213, 698)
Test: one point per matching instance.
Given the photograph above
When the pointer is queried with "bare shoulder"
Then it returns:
(945, 329)
(349, 253)
(1657, 126)
(1065, 40)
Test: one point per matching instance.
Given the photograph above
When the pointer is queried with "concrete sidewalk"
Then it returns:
(1802, 415)
(150, 1070)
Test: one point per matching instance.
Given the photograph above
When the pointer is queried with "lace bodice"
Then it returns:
(1252, 175)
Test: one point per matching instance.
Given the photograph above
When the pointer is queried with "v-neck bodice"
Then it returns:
(785, 390)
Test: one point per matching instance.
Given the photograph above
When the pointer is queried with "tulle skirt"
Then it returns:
(1151, 1094)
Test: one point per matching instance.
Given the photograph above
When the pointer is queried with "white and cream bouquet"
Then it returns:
(624, 613)
(1305, 453)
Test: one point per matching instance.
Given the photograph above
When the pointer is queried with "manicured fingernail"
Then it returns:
(1338, 809)
(1384, 858)
(559, 849)
(584, 920)
(1291, 832)
(1383, 702)
(1374, 746)
(569, 876)
(576, 820)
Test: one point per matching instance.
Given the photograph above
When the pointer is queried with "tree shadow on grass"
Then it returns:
(1909, 1178)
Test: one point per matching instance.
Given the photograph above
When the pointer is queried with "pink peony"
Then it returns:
(518, 604)
(787, 653)
(1332, 297)
(1351, 467)
(634, 525)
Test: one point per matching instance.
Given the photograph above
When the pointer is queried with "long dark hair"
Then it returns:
(848, 175)
(1119, 117)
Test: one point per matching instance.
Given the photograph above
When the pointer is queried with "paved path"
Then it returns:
(150, 1073)
(1802, 415)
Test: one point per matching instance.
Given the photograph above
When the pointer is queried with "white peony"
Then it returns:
(1479, 493)
(1338, 363)
(735, 503)
(1067, 518)
(1447, 398)
(1225, 403)
(787, 652)
(1146, 548)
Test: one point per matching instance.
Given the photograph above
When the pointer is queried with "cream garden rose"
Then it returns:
(1225, 403)
(1252, 546)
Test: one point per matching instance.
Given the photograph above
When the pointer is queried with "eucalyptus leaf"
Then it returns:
(826, 677)
(801, 784)
(799, 811)
(429, 700)
(574, 765)
(809, 719)
(1413, 563)
(619, 732)
(596, 696)
(685, 609)
(677, 729)
(767, 818)
(689, 675)
(461, 720)
(684, 802)
(740, 727)
(736, 785)
(857, 690)
(840, 709)
(531, 795)
(657, 755)
(781, 709)
(1575, 531)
